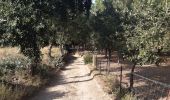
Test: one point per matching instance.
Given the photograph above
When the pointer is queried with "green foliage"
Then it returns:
(88, 58)
(10, 65)
(129, 96)
(35, 24)
(145, 32)
(106, 24)
(138, 30)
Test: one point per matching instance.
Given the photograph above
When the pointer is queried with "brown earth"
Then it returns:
(74, 83)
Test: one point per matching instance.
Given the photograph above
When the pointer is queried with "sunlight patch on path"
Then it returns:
(74, 84)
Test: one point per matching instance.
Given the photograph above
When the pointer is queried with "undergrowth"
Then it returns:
(88, 58)
(113, 87)
(15, 80)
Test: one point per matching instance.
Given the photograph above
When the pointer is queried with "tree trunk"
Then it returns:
(61, 50)
(106, 52)
(107, 65)
(110, 54)
(49, 50)
(132, 77)
(121, 72)
(109, 59)
(36, 58)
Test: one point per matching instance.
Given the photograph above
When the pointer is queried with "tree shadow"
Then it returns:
(80, 76)
(150, 91)
(50, 95)
(144, 90)
(62, 82)
(70, 59)
(147, 90)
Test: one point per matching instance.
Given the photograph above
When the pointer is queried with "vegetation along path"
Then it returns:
(75, 83)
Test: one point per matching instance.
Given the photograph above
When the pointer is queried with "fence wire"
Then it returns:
(144, 88)
(148, 89)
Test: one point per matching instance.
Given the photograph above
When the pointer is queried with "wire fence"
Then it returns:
(148, 89)
(144, 88)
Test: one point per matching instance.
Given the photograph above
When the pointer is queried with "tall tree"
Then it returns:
(26, 21)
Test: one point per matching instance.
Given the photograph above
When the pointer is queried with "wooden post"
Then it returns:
(95, 61)
(100, 66)
(107, 63)
(168, 97)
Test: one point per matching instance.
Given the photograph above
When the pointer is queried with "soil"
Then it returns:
(73, 83)
(144, 89)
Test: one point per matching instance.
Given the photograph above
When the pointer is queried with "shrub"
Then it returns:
(7, 93)
(15, 81)
(88, 58)
(113, 84)
(58, 62)
(10, 65)
(129, 96)
(113, 87)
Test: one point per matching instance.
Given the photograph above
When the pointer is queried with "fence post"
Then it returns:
(95, 61)
(100, 66)
(168, 97)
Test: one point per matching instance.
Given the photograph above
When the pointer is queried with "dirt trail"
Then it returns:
(73, 84)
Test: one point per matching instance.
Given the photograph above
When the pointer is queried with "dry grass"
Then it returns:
(7, 93)
(15, 51)
(9, 51)
(26, 84)
(55, 52)
(18, 91)
(129, 96)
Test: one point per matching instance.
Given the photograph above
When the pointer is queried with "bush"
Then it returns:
(12, 65)
(88, 58)
(113, 84)
(15, 81)
(113, 87)
(7, 93)
(129, 96)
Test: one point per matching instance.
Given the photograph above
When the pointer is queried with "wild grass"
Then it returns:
(7, 93)
(9, 51)
(53, 62)
(113, 85)
(88, 58)
(15, 81)
(129, 96)
(55, 52)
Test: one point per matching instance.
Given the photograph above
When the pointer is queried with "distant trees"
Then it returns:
(106, 22)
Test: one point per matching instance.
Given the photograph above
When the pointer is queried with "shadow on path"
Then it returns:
(63, 81)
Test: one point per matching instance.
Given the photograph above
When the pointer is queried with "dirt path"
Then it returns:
(73, 84)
